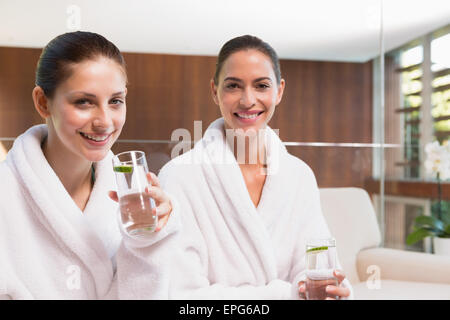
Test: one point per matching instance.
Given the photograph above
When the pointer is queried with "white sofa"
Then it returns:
(401, 274)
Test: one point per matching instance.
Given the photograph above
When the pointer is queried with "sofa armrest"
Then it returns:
(403, 265)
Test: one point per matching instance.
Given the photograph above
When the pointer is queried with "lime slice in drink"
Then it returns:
(317, 249)
(123, 169)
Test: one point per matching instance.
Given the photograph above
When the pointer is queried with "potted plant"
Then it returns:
(437, 164)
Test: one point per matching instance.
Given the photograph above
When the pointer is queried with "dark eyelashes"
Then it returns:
(82, 101)
(259, 86)
(88, 102)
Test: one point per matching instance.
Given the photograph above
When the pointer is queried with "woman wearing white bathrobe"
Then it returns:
(59, 236)
(245, 222)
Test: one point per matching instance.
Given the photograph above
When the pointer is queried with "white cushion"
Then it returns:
(403, 265)
(402, 290)
(352, 221)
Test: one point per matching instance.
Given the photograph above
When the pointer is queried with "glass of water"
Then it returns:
(136, 214)
(320, 265)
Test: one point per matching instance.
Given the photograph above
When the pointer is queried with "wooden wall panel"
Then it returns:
(328, 102)
(167, 92)
(323, 102)
(17, 75)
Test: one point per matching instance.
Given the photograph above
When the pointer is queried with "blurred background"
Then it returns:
(367, 83)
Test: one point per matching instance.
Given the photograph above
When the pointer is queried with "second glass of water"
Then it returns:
(136, 205)
(320, 265)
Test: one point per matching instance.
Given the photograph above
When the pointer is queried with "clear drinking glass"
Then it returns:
(136, 205)
(320, 264)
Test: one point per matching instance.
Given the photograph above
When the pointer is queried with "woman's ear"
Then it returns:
(214, 92)
(41, 102)
(280, 91)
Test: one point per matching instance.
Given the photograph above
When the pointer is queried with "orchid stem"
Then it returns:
(439, 197)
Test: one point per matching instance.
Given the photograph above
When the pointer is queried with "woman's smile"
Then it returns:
(95, 139)
(248, 117)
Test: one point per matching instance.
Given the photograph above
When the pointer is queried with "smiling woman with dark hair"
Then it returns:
(247, 208)
(59, 236)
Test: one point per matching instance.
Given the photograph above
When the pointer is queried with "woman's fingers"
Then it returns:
(338, 291)
(340, 276)
(163, 212)
(162, 222)
(302, 289)
(158, 195)
(163, 209)
(153, 179)
(113, 196)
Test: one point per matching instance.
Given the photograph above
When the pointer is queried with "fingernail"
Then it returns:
(328, 289)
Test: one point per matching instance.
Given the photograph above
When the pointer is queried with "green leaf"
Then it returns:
(423, 221)
(418, 235)
(446, 216)
(447, 229)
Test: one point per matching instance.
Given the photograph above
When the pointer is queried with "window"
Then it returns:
(440, 59)
(424, 104)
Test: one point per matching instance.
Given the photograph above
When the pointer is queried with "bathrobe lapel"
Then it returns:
(229, 189)
(56, 210)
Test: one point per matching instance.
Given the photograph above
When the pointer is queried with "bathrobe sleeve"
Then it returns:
(3, 292)
(143, 265)
(316, 227)
(190, 273)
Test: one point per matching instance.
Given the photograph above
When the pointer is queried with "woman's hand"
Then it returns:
(339, 291)
(163, 207)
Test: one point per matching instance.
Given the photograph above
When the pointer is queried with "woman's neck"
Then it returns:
(249, 149)
(73, 171)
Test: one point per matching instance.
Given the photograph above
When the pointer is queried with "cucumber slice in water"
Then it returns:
(317, 249)
(123, 169)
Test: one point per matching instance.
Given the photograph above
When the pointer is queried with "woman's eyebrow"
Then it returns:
(84, 93)
(232, 79)
(262, 78)
(94, 96)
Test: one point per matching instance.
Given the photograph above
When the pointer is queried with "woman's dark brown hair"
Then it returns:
(245, 43)
(67, 49)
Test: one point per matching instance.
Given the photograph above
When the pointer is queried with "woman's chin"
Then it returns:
(247, 127)
(96, 156)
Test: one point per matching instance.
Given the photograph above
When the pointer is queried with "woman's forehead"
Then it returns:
(248, 63)
(100, 74)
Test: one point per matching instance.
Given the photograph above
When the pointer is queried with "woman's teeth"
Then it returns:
(248, 116)
(95, 138)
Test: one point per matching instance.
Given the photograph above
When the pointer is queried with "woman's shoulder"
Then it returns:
(8, 177)
(299, 166)
(10, 191)
(179, 167)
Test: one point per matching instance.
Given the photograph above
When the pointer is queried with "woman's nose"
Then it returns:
(102, 118)
(248, 98)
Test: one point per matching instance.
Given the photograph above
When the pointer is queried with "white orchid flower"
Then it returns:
(438, 159)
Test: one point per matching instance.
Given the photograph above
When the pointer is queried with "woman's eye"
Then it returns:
(82, 102)
(263, 86)
(232, 86)
(116, 101)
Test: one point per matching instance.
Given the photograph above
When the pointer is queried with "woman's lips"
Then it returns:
(248, 116)
(97, 140)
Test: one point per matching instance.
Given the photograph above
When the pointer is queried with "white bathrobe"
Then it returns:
(50, 249)
(229, 248)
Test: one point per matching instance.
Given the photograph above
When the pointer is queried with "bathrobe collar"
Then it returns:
(74, 230)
